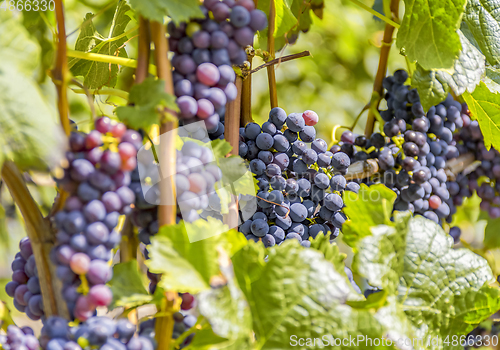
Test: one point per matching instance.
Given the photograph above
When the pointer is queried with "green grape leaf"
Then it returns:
(393, 318)
(433, 85)
(372, 206)
(483, 21)
(467, 213)
(220, 148)
(148, 98)
(493, 72)
(380, 256)
(99, 74)
(16, 45)
(186, 253)
(428, 32)
(226, 308)
(298, 294)
(177, 10)
(285, 21)
(332, 254)
(329, 250)
(374, 301)
(443, 288)
(485, 108)
(24, 116)
(491, 236)
(127, 286)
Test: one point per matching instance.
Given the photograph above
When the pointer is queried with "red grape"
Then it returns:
(103, 125)
(434, 202)
(80, 263)
(93, 139)
(100, 295)
(118, 130)
(311, 118)
(208, 74)
(126, 150)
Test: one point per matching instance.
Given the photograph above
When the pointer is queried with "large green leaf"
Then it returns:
(16, 45)
(98, 74)
(493, 72)
(297, 292)
(483, 21)
(186, 262)
(428, 32)
(30, 136)
(446, 290)
(127, 286)
(285, 19)
(485, 107)
(372, 206)
(177, 10)
(24, 112)
(491, 236)
(226, 308)
(380, 256)
(433, 85)
(147, 98)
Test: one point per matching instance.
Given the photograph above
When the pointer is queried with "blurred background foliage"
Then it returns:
(335, 81)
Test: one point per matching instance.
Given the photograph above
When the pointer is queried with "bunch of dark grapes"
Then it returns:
(25, 285)
(19, 339)
(97, 179)
(484, 174)
(301, 183)
(204, 50)
(95, 333)
(413, 149)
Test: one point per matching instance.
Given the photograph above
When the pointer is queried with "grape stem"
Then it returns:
(281, 60)
(279, 205)
(90, 56)
(129, 242)
(246, 93)
(144, 51)
(366, 168)
(41, 238)
(60, 78)
(60, 72)
(166, 212)
(232, 135)
(376, 14)
(382, 67)
(271, 74)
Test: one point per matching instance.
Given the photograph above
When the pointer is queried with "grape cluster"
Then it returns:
(97, 180)
(301, 187)
(95, 333)
(484, 177)
(413, 149)
(19, 339)
(25, 285)
(204, 50)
